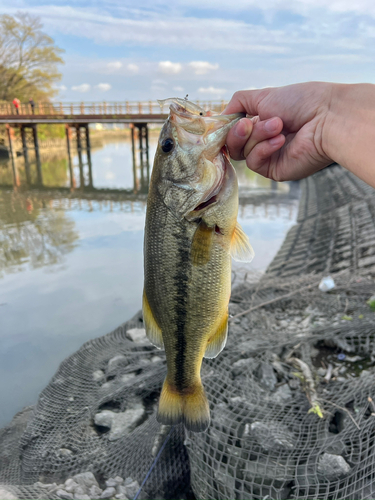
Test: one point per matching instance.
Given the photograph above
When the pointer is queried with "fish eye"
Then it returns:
(167, 145)
(201, 113)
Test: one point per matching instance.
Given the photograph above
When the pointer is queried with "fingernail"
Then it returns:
(242, 129)
(275, 141)
(271, 125)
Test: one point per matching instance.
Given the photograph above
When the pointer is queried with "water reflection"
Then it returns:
(76, 166)
(71, 262)
(31, 236)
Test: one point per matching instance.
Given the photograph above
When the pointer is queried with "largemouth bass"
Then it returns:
(190, 235)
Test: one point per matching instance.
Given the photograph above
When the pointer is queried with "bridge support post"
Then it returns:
(147, 157)
(79, 150)
(135, 179)
(143, 155)
(88, 152)
(37, 155)
(140, 139)
(68, 134)
(16, 179)
(25, 154)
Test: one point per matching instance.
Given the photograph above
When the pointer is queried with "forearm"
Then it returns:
(348, 135)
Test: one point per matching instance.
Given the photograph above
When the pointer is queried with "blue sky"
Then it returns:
(121, 50)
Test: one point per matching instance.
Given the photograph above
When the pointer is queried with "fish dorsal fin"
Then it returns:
(217, 342)
(240, 248)
(153, 331)
(202, 244)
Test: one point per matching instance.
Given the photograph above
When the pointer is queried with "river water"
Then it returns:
(71, 264)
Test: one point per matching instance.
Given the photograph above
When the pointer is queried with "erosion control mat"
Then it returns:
(292, 396)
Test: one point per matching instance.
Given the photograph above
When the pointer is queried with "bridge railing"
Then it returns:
(98, 108)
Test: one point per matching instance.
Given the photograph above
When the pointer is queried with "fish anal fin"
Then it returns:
(201, 245)
(240, 248)
(190, 407)
(217, 342)
(153, 331)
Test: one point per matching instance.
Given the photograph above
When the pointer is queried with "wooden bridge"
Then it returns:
(91, 112)
(78, 116)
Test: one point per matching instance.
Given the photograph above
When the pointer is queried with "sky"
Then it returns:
(118, 50)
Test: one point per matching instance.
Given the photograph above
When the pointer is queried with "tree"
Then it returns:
(28, 59)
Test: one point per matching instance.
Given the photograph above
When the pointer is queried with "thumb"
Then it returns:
(244, 101)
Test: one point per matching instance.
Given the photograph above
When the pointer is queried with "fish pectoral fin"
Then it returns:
(240, 248)
(153, 331)
(202, 244)
(217, 342)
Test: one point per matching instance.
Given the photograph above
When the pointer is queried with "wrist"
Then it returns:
(350, 114)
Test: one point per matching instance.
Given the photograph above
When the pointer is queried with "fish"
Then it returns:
(191, 233)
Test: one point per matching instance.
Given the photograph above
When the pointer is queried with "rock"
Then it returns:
(131, 489)
(46, 486)
(306, 322)
(127, 377)
(70, 485)
(115, 362)
(225, 482)
(271, 436)
(156, 359)
(282, 394)
(294, 383)
(306, 475)
(107, 386)
(119, 480)
(98, 376)
(108, 493)
(321, 371)
(111, 483)
(268, 472)
(86, 479)
(137, 335)
(64, 495)
(266, 376)
(79, 492)
(332, 467)
(242, 366)
(95, 492)
(121, 490)
(81, 496)
(120, 424)
(6, 494)
(65, 452)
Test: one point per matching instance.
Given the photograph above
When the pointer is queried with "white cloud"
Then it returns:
(202, 67)
(213, 91)
(158, 81)
(62, 87)
(84, 87)
(169, 67)
(114, 65)
(104, 87)
(133, 68)
(178, 89)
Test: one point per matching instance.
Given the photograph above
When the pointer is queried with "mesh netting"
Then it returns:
(292, 396)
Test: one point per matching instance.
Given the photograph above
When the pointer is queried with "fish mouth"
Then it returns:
(198, 127)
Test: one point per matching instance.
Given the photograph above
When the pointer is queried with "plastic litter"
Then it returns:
(326, 284)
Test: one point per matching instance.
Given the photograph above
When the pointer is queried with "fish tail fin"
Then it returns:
(190, 407)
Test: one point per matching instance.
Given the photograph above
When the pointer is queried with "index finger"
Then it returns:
(244, 101)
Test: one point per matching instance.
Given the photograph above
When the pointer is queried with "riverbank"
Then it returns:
(290, 395)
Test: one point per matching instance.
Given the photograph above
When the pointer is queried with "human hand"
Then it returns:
(286, 141)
